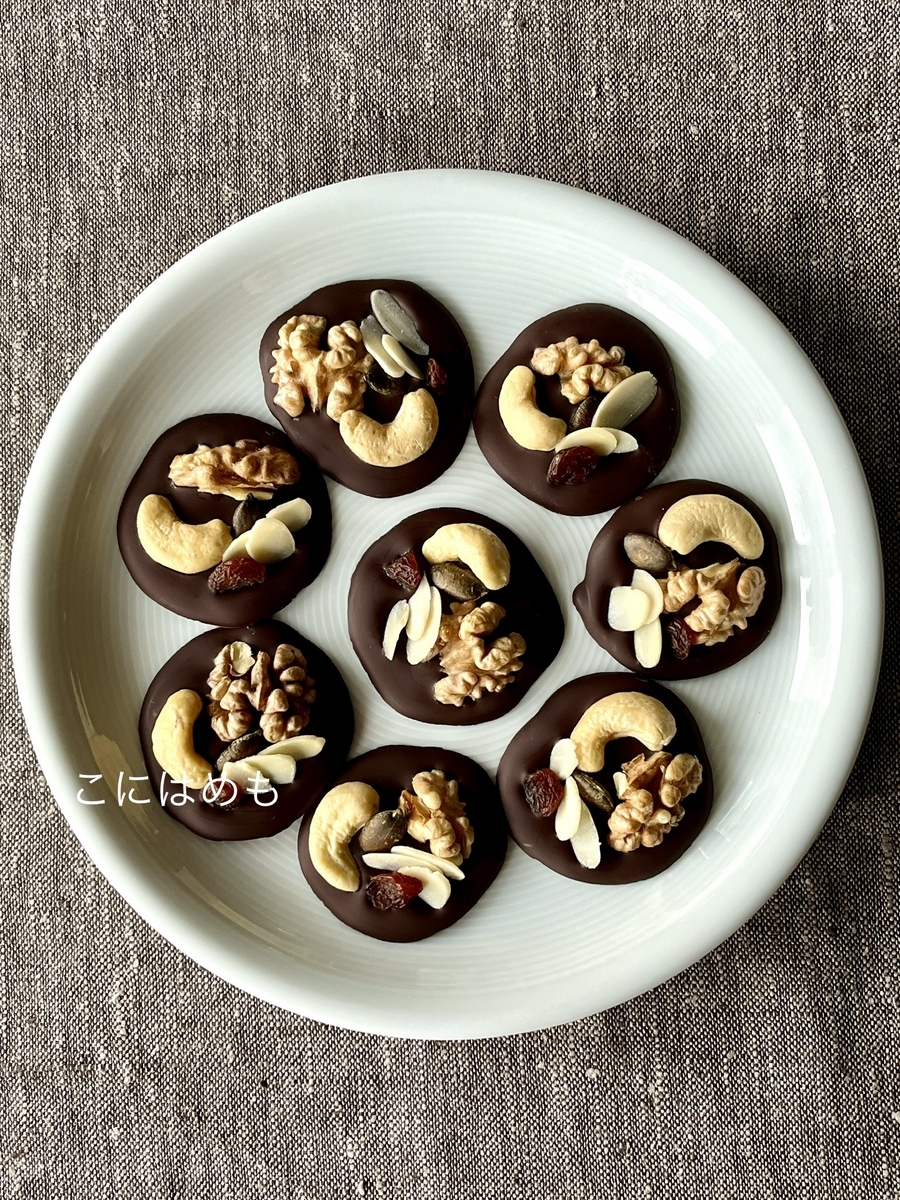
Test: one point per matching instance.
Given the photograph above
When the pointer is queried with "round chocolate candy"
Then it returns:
(530, 750)
(444, 367)
(609, 566)
(330, 716)
(583, 482)
(390, 771)
(529, 604)
(190, 594)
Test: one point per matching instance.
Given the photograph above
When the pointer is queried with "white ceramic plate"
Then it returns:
(782, 727)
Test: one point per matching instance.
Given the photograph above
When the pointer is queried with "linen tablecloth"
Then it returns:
(768, 134)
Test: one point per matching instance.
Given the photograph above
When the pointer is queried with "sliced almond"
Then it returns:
(625, 442)
(564, 758)
(401, 356)
(238, 548)
(648, 644)
(643, 581)
(620, 780)
(629, 608)
(372, 335)
(586, 841)
(279, 768)
(626, 401)
(306, 745)
(435, 885)
(246, 776)
(569, 812)
(270, 541)
(419, 609)
(601, 441)
(418, 649)
(396, 320)
(293, 513)
(422, 857)
(394, 626)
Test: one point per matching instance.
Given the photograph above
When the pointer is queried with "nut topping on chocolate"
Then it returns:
(246, 688)
(397, 442)
(237, 471)
(479, 548)
(524, 421)
(650, 800)
(648, 553)
(173, 740)
(437, 815)
(188, 549)
(457, 581)
(710, 518)
(472, 665)
(383, 831)
(334, 378)
(340, 815)
(581, 367)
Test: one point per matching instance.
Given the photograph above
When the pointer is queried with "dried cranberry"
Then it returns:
(236, 573)
(405, 570)
(573, 465)
(544, 791)
(435, 377)
(681, 638)
(392, 891)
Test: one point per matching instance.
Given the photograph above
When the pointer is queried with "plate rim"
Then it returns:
(143, 894)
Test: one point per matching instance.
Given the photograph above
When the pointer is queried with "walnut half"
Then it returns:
(236, 471)
(332, 377)
(437, 815)
(581, 367)
(471, 664)
(651, 791)
(728, 598)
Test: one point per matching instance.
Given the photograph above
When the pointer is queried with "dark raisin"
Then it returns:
(392, 891)
(241, 747)
(435, 377)
(680, 638)
(583, 414)
(593, 791)
(236, 573)
(573, 465)
(405, 570)
(457, 581)
(382, 383)
(247, 514)
(544, 791)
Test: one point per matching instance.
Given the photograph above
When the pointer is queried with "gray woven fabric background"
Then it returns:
(764, 131)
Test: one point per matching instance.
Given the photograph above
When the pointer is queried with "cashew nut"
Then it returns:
(477, 547)
(397, 442)
(175, 544)
(172, 740)
(524, 421)
(710, 518)
(623, 714)
(342, 812)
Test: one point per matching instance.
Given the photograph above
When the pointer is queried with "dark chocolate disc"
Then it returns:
(530, 751)
(531, 610)
(616, 477)
(331, 717)
(319, 436)
(608, 566)
(390, 771)
(190, 595)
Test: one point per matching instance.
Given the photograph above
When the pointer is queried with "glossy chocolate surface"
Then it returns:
(190, 595)
(319, 436)
(531, 610)
(390, 770)
(530, 751)
(331, 718)
(617, 477)
(608, 566)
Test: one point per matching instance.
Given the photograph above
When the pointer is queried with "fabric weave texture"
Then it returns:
(766, 133)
